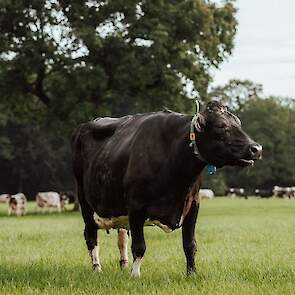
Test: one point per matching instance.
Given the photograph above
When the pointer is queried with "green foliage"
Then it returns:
(236, 93)
(66, 62)
(269, 121)
(216, 182)
(120, 56)
(271, 124)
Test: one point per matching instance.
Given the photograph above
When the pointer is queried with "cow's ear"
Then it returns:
(200, 123)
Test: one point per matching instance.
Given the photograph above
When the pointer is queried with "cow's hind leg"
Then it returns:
(90, 234)
(123, 247)
(136, 222)
(188, 237)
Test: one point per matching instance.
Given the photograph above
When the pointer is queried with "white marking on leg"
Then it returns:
(181, 220)
(18, 211)
(94, 254)
(123, 247)
(135, 273)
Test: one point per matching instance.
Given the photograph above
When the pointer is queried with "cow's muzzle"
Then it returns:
(255, 153)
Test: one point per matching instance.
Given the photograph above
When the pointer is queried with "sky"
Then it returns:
(264, 47)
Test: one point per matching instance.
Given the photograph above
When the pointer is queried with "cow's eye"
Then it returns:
(222, 126)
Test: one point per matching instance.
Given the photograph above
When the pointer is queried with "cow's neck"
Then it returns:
(187, 163)
(179, 177)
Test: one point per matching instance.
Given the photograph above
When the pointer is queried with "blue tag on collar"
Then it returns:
(211, 169)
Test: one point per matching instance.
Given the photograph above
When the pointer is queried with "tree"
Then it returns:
(236, 93)
(65, 62)
(216, 182)
(271, 124)
(268, 120)
(122, 56)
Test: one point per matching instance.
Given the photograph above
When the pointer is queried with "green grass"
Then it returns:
(244, 247)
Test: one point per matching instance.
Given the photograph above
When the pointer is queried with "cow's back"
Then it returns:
(48, 199)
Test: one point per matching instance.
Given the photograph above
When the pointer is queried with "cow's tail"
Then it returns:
(78, 139)
(77, 150)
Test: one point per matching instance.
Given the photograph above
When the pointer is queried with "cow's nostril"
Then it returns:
(256, 149)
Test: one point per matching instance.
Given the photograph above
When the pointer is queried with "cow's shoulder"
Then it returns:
(109, 124)
(159, 120)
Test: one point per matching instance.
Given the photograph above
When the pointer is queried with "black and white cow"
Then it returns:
(142, 169)
(4, 198)
(68, 196)
(236, 192)
(51, 200)
(283, 192)
(17, 204)
(206, 194)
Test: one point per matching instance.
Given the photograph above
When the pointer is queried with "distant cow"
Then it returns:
(51, 200)
(206, 194)
(263, 193)
(17, 204)
(4, 198)
(68, 196)
(236, 192)
(283, 192)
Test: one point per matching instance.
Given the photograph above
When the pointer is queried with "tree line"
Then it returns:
(67, 62)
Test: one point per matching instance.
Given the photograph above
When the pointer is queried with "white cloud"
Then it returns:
(265, 46)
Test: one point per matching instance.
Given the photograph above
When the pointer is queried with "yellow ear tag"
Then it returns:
(192, 136)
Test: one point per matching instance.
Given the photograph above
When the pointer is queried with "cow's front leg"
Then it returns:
(123, 247)
(188, 237)
(136, 222)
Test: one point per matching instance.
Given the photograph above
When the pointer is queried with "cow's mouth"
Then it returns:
(245, 162)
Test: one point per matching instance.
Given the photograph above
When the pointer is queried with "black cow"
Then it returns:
(263, 193)
(236, 192)
(142, 168)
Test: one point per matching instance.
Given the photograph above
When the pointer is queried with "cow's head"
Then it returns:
(64, 198)
(221, 140)
(13, 201)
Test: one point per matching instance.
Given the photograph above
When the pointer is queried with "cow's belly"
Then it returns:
(123, 222)
(167, 220)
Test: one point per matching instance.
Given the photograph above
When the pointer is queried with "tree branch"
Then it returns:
(39, 88)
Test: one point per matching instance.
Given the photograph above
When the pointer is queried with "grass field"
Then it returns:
(244, 247)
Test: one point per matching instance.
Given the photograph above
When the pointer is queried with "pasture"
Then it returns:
(244, 247)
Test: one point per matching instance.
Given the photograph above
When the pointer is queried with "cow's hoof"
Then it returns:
(190, 273)
(123, 264)
(135, 275)
(96, 268)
